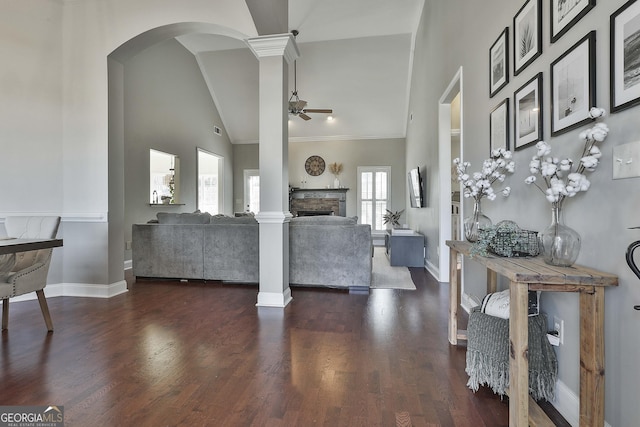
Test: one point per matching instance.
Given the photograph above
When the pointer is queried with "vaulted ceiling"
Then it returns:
(355, 58)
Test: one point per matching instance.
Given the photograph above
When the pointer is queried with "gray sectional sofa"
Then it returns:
(330, 251)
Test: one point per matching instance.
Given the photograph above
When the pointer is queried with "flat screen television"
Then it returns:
(416, 189)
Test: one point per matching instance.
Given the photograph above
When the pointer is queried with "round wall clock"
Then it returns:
(314, 165)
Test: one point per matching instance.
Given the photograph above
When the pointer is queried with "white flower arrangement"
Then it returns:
(559, 178)
(480, 184)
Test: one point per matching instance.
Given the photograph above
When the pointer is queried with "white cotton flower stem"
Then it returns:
(539, 188)
(588, 145)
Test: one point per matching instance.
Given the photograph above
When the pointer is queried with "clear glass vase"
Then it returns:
(476, 222)
(559, 244)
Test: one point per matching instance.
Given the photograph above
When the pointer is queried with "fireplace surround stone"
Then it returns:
(321, 199)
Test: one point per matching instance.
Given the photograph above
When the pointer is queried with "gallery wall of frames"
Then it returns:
(571, 76)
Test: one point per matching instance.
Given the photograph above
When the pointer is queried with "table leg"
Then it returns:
(592, 357)
(518, 355)
(5, 313)
(453, 297)
(492, 281)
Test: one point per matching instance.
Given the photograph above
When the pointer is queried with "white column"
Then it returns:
(274, 52)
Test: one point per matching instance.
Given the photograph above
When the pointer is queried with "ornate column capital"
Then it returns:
(274, 45)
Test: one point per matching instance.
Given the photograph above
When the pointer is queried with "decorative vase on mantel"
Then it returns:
(559, 244)
(475, 223)
(336, 182)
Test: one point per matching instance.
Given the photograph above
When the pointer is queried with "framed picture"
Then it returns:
(573, 84)
(625, 56)
(527, 104)
(527, 35)
(499, 63)
(499, 126)
(565, 13)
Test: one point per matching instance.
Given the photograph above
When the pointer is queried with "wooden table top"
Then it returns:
(11, 245)
(534, 270)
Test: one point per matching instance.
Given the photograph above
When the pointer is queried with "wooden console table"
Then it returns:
(527, 274)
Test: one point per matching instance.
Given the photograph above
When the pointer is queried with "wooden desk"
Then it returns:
(10, 245)
(527, 274)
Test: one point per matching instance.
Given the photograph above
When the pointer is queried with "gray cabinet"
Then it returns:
(405, 249)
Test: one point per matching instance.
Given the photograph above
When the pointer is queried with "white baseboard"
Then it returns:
(568, 404)
(433, 269)
(77, 290)
(274, 299)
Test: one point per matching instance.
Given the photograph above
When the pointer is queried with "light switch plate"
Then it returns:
(626, 160)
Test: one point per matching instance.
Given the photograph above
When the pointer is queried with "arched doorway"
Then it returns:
(116, 61)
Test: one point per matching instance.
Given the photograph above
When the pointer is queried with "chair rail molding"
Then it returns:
(64, 217)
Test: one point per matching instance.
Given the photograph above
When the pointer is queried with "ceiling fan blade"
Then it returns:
(304, 116)
(318, 110)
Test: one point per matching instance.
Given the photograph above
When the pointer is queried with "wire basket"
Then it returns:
(515, 243)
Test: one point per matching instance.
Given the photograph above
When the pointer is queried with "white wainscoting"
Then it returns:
(52, 290)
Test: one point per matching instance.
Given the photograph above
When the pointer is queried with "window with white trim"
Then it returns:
(374, 184)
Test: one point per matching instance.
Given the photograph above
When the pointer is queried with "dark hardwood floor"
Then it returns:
(170, 353)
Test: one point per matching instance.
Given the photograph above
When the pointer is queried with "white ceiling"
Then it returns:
(355, 57)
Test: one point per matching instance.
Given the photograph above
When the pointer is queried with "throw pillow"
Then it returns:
(183, 218)
(497, 304)
(222, 219)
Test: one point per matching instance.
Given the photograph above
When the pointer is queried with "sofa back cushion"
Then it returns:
(183, 218)
(223, 219)
(324, 220)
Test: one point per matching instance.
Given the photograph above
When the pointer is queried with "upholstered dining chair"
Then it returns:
(29, 273)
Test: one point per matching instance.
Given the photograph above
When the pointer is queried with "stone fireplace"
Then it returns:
(330, 201)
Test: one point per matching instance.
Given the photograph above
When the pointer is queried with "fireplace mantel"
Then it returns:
(321, 199)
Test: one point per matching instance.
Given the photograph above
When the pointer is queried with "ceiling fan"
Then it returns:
(297, 105)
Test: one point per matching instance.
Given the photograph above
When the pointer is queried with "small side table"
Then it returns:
(406, 250)
(533, 274)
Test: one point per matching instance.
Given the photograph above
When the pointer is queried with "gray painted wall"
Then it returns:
(167, 107)
(602, 215)
(352, 153)
(368, 152)
(31, 132)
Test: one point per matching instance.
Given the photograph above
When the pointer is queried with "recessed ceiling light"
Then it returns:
(329, 118)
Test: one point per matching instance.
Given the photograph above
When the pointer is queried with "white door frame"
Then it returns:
(444, 162)
(246, 173)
